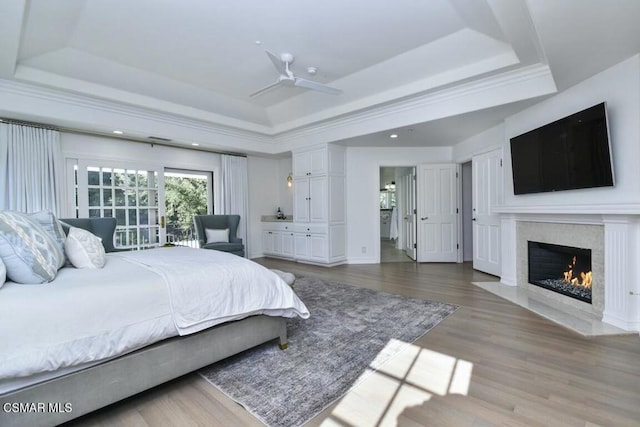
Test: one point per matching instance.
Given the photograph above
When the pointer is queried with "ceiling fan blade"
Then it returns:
(277, 62)
(316, 86)
(266, 88)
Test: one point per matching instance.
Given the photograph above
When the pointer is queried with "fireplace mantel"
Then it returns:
(621, 255)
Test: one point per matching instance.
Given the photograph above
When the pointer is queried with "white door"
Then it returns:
(487, 193)
(409, 214)
(437, 213)
(317, 199)
(301, 200)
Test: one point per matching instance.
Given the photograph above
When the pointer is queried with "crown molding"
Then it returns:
(509, 86)
(523, 76)
(112, 107)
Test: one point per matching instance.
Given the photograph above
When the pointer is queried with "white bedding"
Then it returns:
(221, 287)
(87, 316)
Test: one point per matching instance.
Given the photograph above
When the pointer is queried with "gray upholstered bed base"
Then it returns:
(109, 382)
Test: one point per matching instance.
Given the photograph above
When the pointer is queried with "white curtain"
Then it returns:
(30, 168)
(235, 192)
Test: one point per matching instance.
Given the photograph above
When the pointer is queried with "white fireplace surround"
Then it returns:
(615, 242)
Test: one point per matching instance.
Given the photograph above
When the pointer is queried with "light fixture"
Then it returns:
(118, 132)
(195, 144)
(393, 136)
(290, 180)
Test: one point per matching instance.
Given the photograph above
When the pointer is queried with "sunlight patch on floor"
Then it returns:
(408, 379)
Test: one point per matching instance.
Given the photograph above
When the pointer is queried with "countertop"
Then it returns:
(272, 218)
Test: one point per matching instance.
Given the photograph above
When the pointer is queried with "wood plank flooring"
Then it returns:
(525, 370)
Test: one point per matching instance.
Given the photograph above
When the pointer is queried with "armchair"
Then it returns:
(202, 223)
(101, 227)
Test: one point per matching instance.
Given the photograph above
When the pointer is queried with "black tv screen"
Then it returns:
(570, 153)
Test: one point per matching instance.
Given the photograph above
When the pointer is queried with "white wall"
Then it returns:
(481, 143)
(264, 192)
(619, 86)
(363, 192)
(285, 194)
(122, 152)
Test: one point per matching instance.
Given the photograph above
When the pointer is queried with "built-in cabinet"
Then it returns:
(278, 239)
(318, 234)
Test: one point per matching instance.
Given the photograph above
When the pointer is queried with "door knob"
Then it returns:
(424, 217)
(473, 219)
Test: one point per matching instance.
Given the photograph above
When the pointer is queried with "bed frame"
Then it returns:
(101, 385)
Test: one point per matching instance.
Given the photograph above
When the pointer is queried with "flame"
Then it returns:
(584, 280)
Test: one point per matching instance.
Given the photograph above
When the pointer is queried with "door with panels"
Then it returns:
(486, 194)
(437, 213)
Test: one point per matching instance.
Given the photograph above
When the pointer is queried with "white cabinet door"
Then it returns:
(310, 163)
(318, 161)
(288, 244)
(487, 193)
(318, 199)
(301, 164)
(267, 242)
(318, 250)
(277, 243)
(437, 213)
(301, 200)
(301, 245)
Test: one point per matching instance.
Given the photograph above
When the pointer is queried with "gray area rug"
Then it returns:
(348, 329)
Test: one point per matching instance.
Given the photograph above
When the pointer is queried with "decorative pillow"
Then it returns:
(217, 235)
(3, 273)
(51, 225)
(29, 253)
(84, 249)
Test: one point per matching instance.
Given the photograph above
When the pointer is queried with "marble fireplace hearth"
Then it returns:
(613, 241)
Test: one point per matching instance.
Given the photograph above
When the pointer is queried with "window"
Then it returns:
(130, 196)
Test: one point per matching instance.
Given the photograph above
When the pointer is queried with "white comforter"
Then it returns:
(208, 287)
(139, 298)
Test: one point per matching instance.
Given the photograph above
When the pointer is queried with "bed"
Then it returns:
(92, 337)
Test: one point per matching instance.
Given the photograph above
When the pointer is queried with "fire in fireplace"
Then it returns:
(563, 269)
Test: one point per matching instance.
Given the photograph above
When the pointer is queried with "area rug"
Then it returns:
(349, 331)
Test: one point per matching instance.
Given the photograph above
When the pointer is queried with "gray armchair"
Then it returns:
(219, 222)
(101, 227)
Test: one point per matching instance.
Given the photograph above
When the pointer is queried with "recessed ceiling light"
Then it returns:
(393, 136)
(195, 144)
(258, 42)
(118, 132)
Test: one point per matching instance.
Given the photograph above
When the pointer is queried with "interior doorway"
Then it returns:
(397, 214)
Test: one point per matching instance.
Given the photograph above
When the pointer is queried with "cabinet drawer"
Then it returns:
(310, 228)
(277, 226)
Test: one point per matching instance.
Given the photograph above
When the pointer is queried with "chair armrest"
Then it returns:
(235, 240)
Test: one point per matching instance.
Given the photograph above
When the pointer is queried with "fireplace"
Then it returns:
(562, 269)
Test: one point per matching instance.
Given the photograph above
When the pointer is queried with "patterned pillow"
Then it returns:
(51, 225)
(30, 254)
(3, 273)
(84, 249)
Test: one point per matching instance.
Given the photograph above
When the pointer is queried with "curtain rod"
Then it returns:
(120, 138)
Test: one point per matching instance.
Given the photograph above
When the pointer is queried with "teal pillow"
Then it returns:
(29, 253)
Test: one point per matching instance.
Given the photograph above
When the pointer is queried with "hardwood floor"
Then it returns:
(524, 369)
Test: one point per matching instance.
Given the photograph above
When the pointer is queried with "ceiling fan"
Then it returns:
(289, 79)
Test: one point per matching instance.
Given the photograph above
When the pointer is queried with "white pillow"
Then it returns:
(217, 235)
(84, 249)
(3, 273)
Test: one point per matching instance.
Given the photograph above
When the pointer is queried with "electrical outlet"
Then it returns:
(364, 249)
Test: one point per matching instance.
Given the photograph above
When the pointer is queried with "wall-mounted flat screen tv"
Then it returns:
(571, 153)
